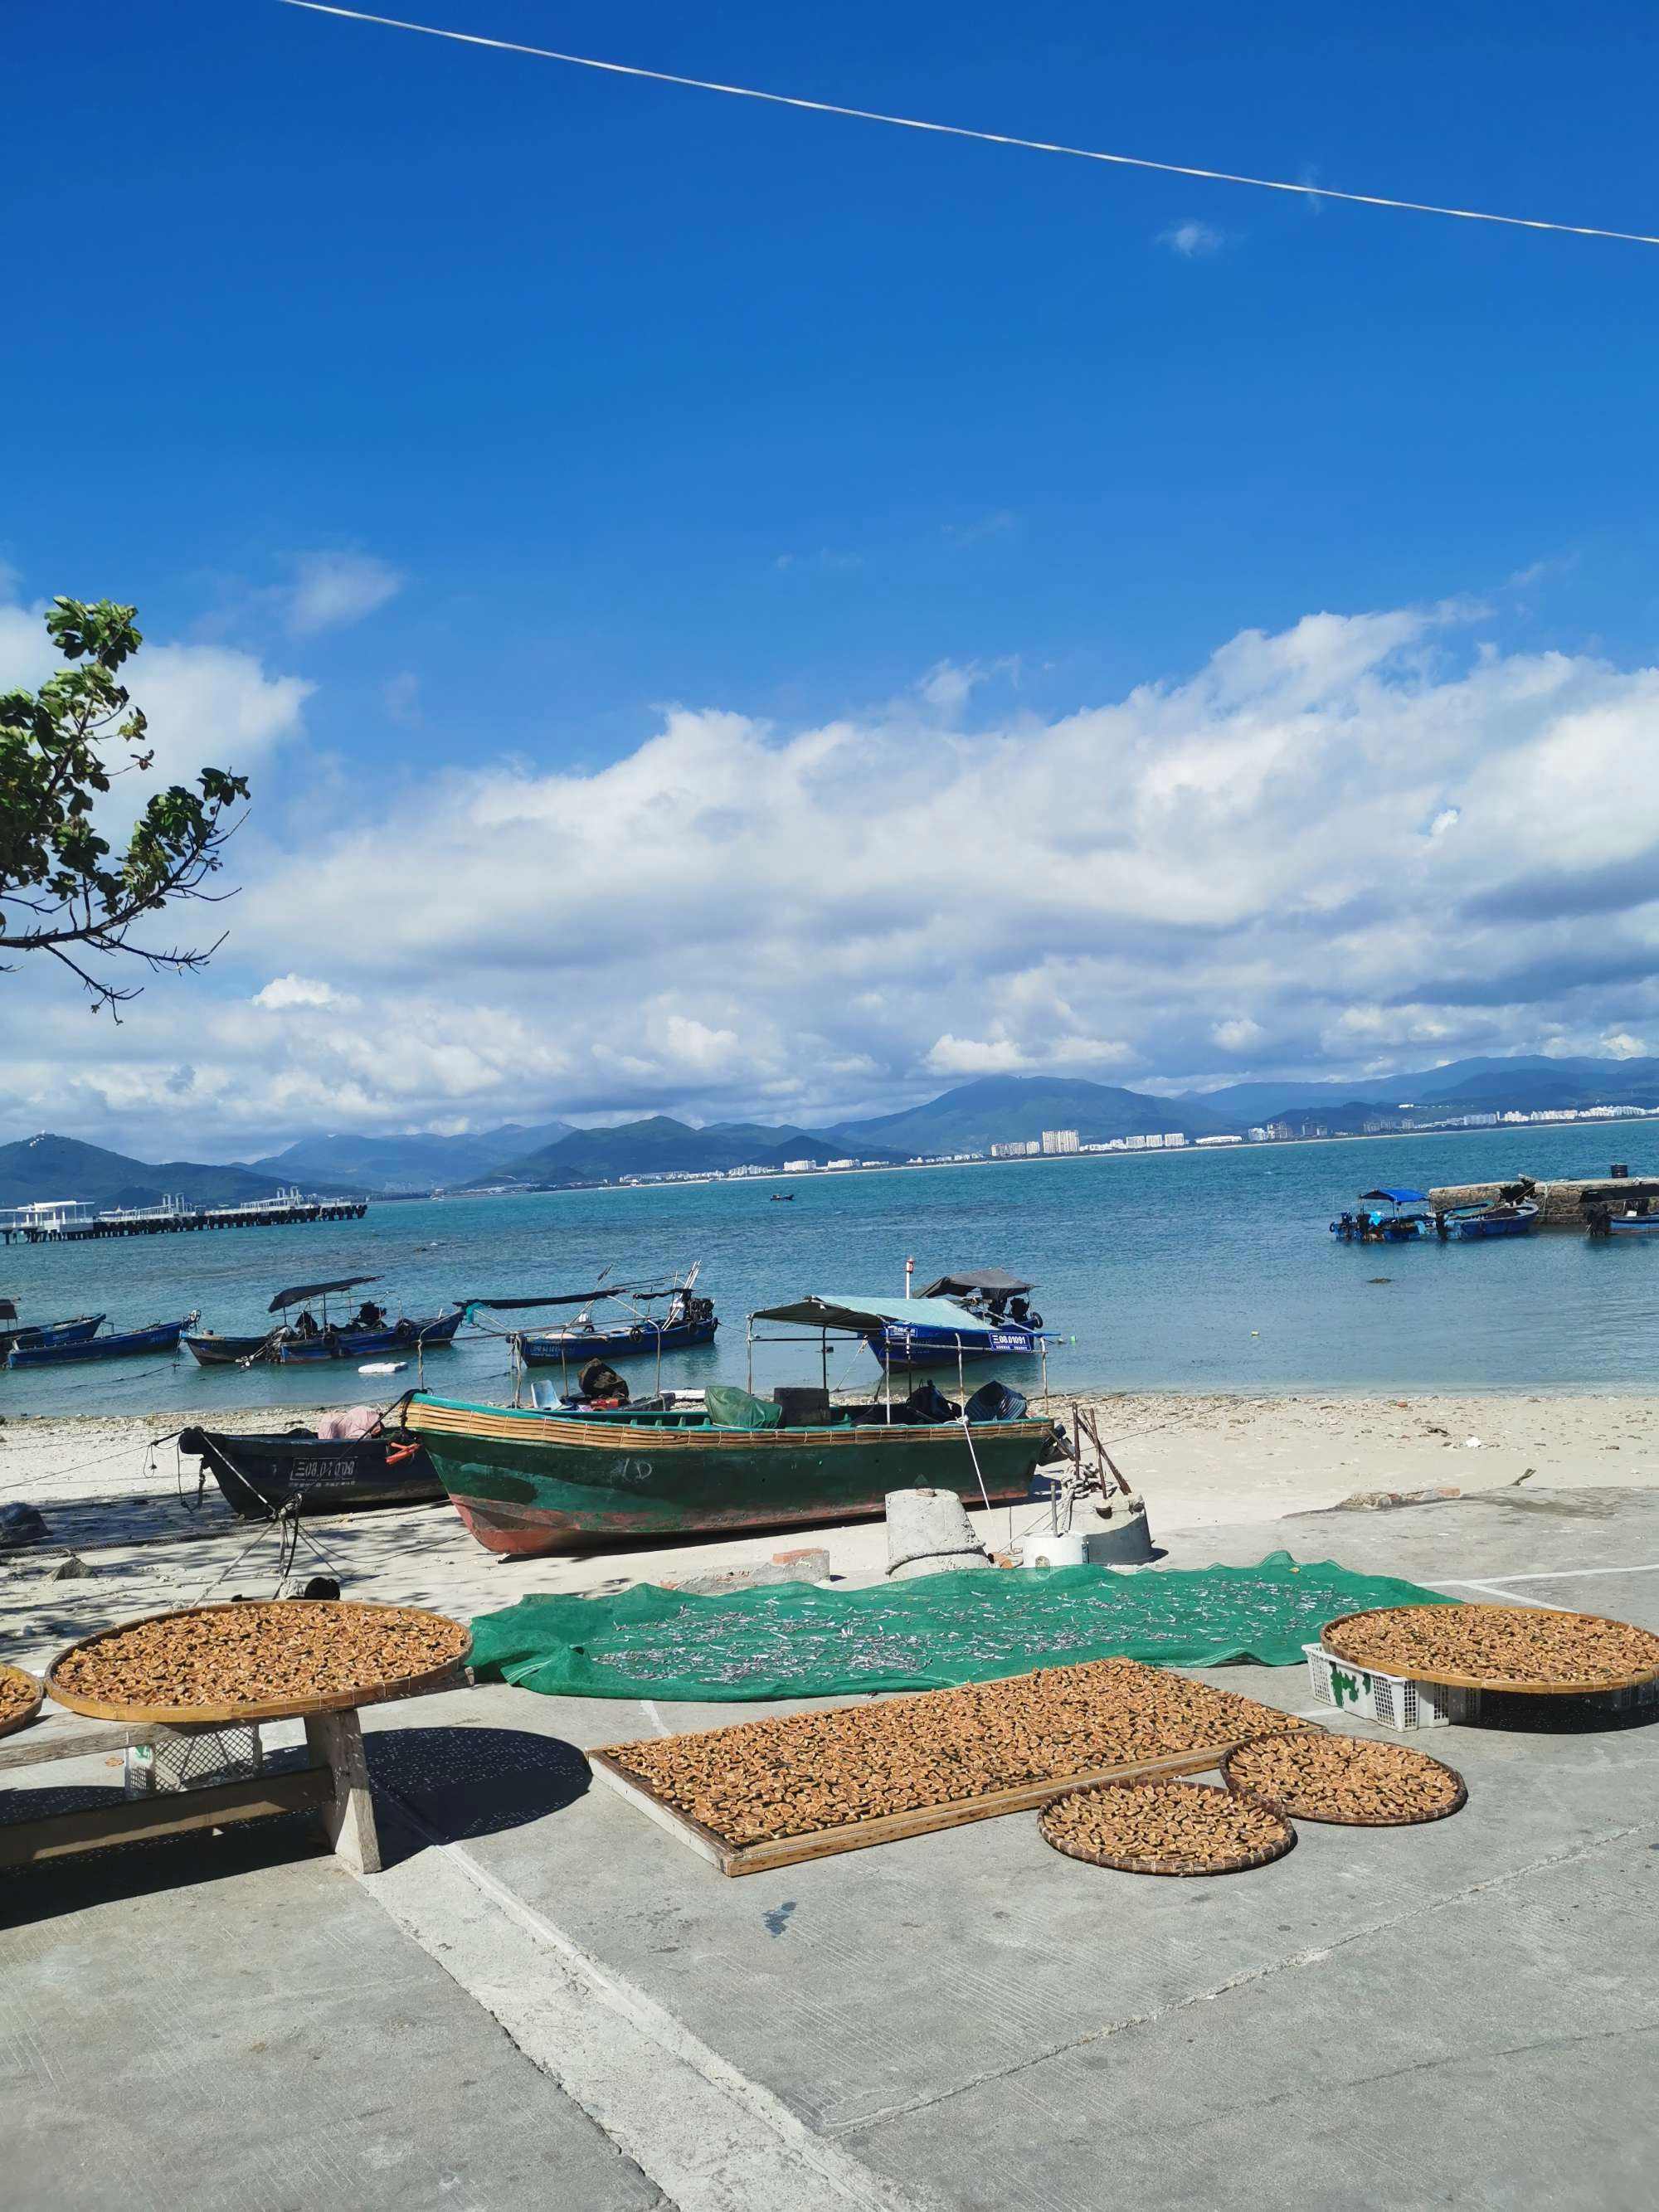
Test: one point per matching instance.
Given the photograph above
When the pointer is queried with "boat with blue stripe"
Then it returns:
(977, 1313)
(15, 1332)
(1385, 1218)
(687, 1321)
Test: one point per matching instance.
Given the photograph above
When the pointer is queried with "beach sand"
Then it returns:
(125, 1509)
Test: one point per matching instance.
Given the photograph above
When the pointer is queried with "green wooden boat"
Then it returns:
(529, 1481)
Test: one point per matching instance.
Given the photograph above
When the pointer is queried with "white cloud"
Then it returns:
(735, 919)
(285, 991)
(1193, 241)
(1238, 1035)
(1619, 1044)
(330, 590)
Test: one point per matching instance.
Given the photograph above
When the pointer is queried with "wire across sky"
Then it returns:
(962, 131)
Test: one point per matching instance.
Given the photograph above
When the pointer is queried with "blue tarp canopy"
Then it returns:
(858, 1313)
(1396, 1197)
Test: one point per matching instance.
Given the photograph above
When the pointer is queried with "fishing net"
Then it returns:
(793, 1640)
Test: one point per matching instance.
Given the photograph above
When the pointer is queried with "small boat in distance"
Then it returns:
(119, 1344)
(358, 1336)
(261, 1476)
(781, 1197)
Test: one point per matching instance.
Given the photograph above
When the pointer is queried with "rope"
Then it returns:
(960, 130)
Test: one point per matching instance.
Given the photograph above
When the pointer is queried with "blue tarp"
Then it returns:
(1397, 1197)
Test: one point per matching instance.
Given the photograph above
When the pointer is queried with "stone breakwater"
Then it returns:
(1560, 1204)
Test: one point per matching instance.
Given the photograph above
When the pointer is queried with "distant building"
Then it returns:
(1134, 1144)
(799, 1167)
(1173, 1138)
(1219, 1141)
(1059, 1141)
(1257, 1135)
(840, 1164)
(1022, 1148)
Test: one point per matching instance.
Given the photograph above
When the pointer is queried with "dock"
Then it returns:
(171, 1218)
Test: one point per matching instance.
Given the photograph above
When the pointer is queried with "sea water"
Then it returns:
(1187, 1271)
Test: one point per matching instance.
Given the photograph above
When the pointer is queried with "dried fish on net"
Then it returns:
(793, 1640)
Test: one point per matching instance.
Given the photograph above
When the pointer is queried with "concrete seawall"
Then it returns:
(1561, 1205)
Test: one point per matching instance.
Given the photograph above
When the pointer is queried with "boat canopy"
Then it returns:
(573, 1298)
(305, 1291)
(991, 1282)
(1396, 1197)
(857, 1314)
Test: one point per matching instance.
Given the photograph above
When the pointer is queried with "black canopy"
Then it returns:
(570, 1298)
(305, 1291)
(990, 1281)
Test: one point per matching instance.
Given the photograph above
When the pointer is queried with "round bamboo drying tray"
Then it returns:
(1183, 1858)
(1295, 1800)
(1413, 1670)
(341, 1698)
(16, 1685)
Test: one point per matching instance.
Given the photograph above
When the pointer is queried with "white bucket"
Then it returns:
(1052, 1551)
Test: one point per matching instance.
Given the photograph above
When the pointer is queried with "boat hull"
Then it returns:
(23, 1338)
(361, 1343)
(640, 1342)
(211, 1350)
(261, 1475)
(1634, 1224)
(1481, 1227)
(905, 1348)
(529, 1483)
(164, 1337)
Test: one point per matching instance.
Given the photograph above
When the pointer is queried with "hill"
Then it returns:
(46, 1167)
(999, 1110)
(1522, 1082)
(661, 1146)
(403, 1164)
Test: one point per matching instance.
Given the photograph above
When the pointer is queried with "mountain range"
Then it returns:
(973, 1116)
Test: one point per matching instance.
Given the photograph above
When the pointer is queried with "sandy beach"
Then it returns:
(128, 1509)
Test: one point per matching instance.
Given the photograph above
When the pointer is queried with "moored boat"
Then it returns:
(527, 1482)
(359, 1336)
(687, 1321)
(13, 1332)
(119, 1343)
(976, 1314)
(1373, 1225)
(262, 1476)
(1505, 1217)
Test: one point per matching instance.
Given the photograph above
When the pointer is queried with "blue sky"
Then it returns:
(504, 405)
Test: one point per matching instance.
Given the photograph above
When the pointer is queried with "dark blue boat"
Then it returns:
(119, 1344)
(13, 1332)
(359, 1336)
(688, 1321)
(978, 1313)
(1517, 1217)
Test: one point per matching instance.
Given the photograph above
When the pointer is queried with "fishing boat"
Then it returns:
(528, 1481)
(13, 1332)
(288, 1342)
(686, 1321)
(119, 1344)
(1504, 1217)
(976, 1314)
(260, 1476)
(1372, 1225)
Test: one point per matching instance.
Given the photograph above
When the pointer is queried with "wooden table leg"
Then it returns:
(336, 1740)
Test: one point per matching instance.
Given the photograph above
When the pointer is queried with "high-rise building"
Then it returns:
(1059, 1141)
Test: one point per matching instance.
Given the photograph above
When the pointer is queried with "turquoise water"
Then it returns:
(1192, 1271)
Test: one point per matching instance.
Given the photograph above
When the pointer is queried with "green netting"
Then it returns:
(730, 1407)
(793, 1640)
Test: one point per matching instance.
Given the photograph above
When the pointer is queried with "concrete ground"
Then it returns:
(545, 2000)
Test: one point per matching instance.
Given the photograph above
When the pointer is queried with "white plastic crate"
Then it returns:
(192, 1758)
(1388, 1699)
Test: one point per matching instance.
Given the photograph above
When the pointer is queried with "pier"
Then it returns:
(73, 1224)
(1561, 1203)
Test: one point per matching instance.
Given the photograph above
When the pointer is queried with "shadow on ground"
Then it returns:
(466, 1782)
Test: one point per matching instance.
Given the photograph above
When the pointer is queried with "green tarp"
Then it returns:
(793, 1640)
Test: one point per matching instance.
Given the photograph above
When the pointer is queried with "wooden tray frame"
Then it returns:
(1287, 1811)
(1408, 1673)
(887, 1827)
(276, 1709)
(1241, 1862)
(22, 1720)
